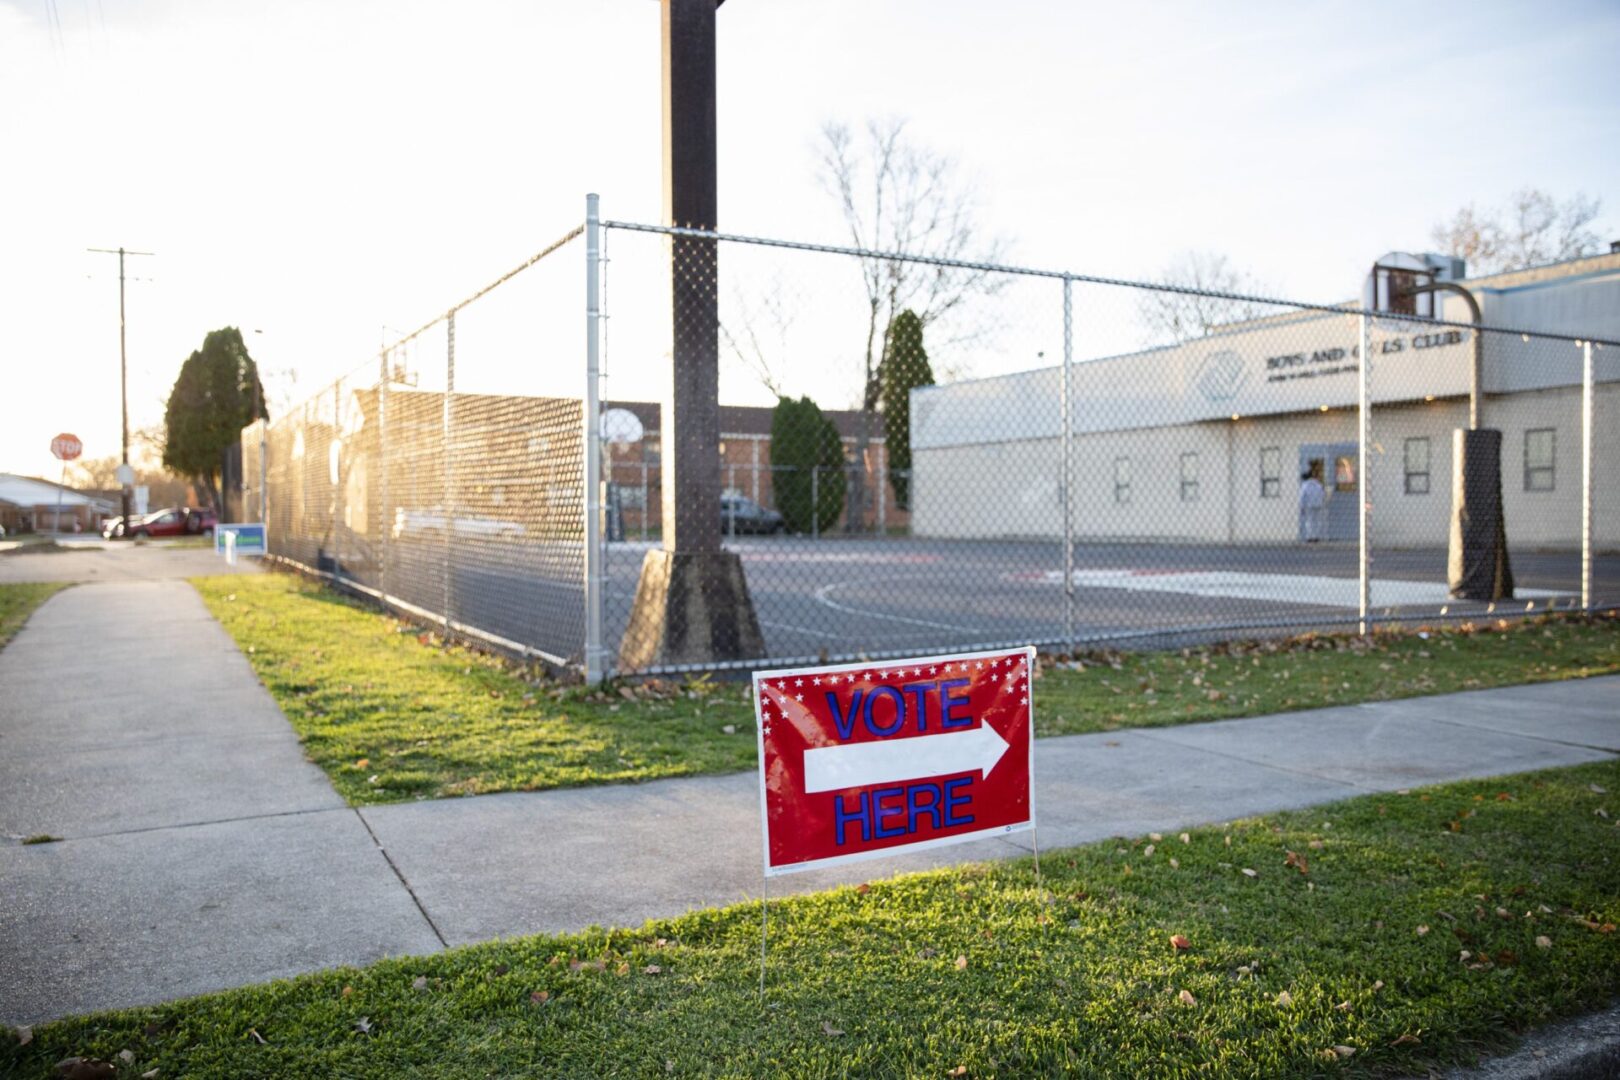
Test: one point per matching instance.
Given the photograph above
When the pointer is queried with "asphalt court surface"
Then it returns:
(846, 596)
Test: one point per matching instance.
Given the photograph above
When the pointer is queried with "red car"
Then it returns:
(175, 521)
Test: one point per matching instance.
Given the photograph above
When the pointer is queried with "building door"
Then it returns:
(1338, 467)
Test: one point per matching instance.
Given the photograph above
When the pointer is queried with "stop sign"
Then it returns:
(66, 447)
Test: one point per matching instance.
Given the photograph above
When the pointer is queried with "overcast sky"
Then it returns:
(319, 171)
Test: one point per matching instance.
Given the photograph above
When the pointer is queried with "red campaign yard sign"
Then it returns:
(857, 761)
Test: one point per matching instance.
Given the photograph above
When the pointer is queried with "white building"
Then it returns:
(1206, 441)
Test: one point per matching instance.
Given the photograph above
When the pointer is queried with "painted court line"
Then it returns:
(1278, 588)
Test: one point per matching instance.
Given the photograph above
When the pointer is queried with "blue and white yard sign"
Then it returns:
(250, 538)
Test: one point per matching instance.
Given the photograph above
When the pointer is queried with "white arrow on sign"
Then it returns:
(830, 768)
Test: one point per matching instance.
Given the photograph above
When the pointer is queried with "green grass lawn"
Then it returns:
(1376, 937)
(18, 601)
(392, 713)
(1150, 689)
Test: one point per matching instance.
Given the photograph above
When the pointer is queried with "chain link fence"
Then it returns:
(914, 455)
(446, 477)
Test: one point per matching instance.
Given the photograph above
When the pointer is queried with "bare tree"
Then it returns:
(756, 349)
(1532, 229)
(898, 197)
(1181, 316)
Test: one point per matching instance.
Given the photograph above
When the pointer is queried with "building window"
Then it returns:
(1417, 466)
(1270, 472)
(1189, 476)
(1122, 481)
(1539, 470)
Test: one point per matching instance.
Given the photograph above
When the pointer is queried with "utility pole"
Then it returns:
(123, 366)
(692, 603)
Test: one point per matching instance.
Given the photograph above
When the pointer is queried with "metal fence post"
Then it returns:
(815, 502)
(335, 465)
(594, 662)
(1066, 469)
(384, 521)
(1586, 476)
(1364, 489)
(882, 484)
(644, 496)
(449, 460)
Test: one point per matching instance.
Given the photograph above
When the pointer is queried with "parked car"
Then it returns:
(174, 521)
(740, 514)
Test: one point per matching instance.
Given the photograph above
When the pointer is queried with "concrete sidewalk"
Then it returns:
(200, 850)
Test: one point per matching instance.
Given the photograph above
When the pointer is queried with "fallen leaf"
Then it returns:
(1179, 941)
(1175, 863)
(831, 1031)
(1422, 930)
(25, 1035)
(149, 1074)
(362, 763)
(1406, 1040)
(1147, 852)
(1503, 913)
(623, 968)
(1250, 873)
(729, 729)
(961, 963)
(419, 983)
(539, 997)
(1343, 1006)
(1378, 985)
(627, 693)
(1342, 1052)
(960, 1070)
(1507, 958)
(127, 1056)
(1297, 861)
(1186, 998)
(1543, 941)
(1155, 837)
(863, 888)
(1598, 789)
(1185, 839)
(347, 990)
(1315, 845)
(256, 1036)
(363, 1025)
(1284, 1000)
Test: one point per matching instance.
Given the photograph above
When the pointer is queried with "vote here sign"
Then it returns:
(858, 761)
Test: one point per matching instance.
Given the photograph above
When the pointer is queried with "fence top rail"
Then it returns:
(1088, 279)
(562, 240)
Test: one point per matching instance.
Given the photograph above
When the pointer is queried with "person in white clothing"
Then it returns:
(1312, 507)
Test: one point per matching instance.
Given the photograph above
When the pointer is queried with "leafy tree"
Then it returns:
(217, 394)
(905, 365)
(807, 466)
(1533, 228)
